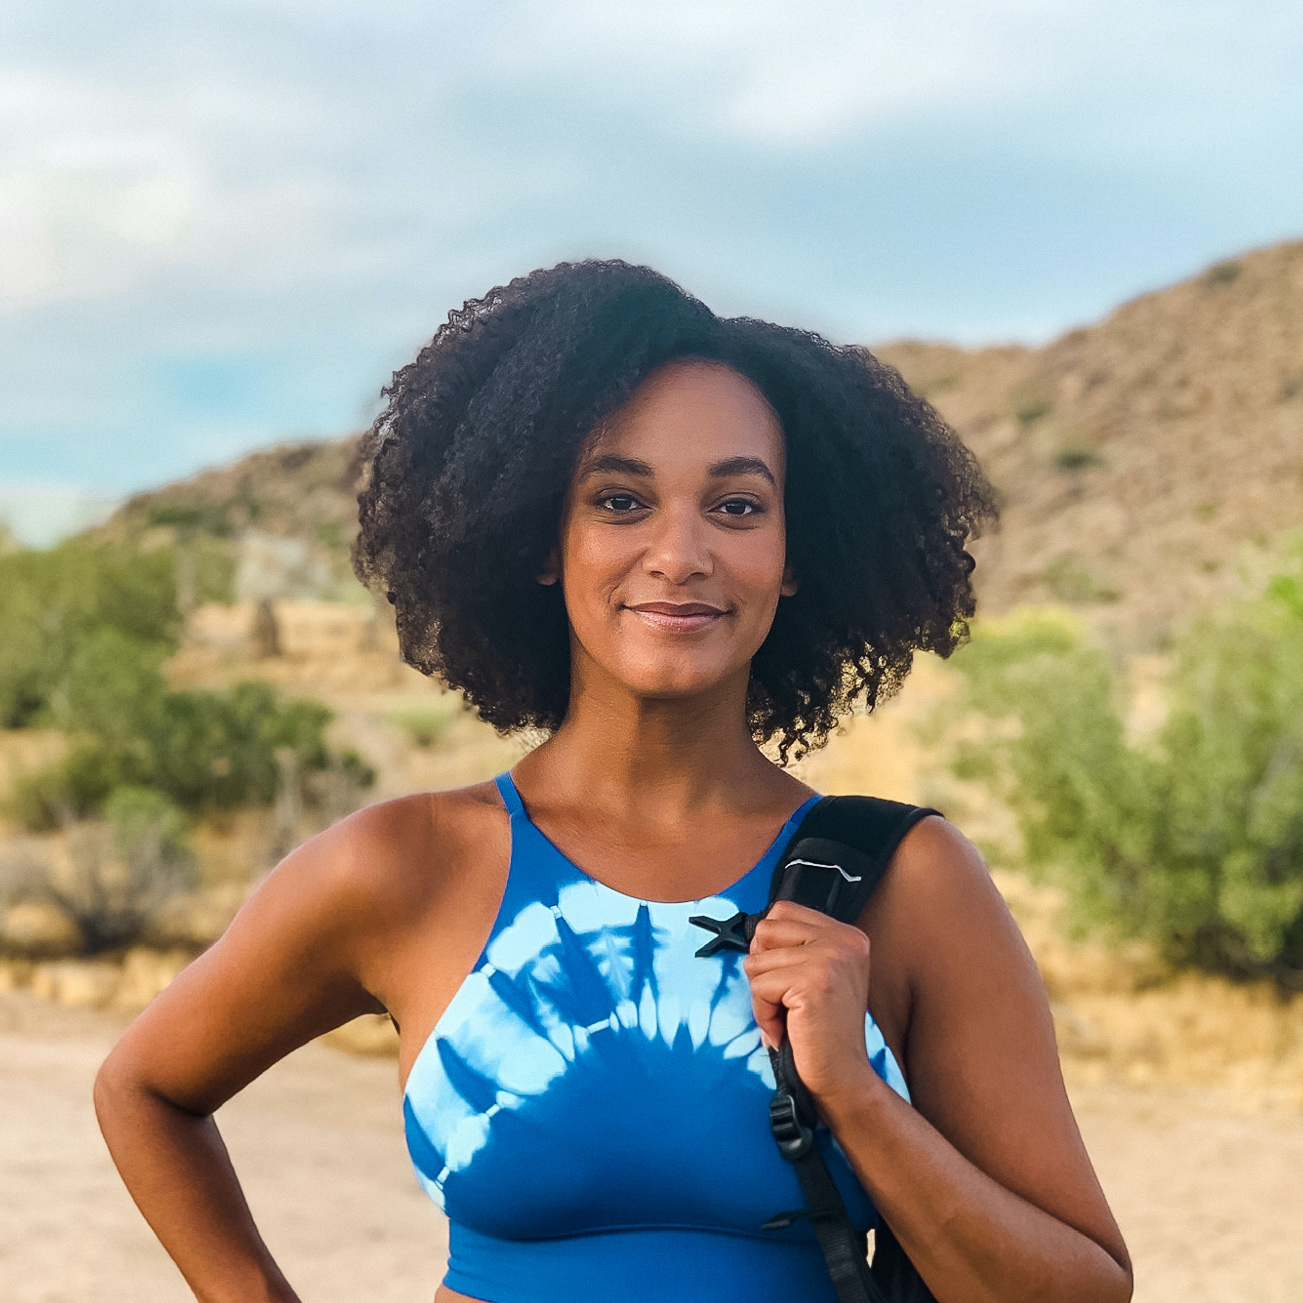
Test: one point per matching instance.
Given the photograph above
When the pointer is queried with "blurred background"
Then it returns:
(1075, 229)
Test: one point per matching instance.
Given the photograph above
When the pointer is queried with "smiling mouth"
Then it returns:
(679, 617)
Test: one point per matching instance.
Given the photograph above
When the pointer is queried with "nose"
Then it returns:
(679, 551)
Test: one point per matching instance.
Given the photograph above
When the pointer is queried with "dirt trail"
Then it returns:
(1208, 1198)
(317, 1141)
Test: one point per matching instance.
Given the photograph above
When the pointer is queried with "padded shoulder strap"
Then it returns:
(841, 851)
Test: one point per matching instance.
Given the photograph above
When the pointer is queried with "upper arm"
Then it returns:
(979, 1046)
(292, 965)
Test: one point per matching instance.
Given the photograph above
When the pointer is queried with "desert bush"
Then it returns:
(1195, 838)
(52, 601)
(122, 869)
(425, 727)
(202, 750)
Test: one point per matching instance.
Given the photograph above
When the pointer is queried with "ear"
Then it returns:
(551, 572)
(789, 584)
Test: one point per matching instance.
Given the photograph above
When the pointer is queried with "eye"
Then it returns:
(619, 504)
(738, 507)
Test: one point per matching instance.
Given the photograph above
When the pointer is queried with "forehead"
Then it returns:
(696, 410)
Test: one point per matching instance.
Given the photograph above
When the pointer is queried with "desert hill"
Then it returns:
(1143, 461)
(290, 510)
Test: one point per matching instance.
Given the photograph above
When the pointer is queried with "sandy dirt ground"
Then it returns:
(1208, 1196)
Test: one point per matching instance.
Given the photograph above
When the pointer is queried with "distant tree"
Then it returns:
(203, 750)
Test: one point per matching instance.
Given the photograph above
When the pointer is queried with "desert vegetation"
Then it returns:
(86, 630)
(1189, 834)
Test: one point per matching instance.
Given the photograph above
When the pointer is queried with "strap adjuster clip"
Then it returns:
(794, 1138)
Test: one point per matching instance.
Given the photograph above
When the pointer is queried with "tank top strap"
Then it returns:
(537, 871)
(510, 797)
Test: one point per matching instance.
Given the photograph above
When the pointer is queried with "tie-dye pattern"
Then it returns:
(592, 1077)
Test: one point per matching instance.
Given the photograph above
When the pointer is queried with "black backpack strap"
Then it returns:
(840, 852)
(845, 1248)
(834, 862)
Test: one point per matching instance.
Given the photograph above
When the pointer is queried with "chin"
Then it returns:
(675, 681)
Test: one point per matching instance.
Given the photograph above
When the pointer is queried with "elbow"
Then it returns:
(112, 1086)
(119, 1090)
(1123, 1283)
(1107, 1279)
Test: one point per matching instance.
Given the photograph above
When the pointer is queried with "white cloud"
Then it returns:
(29, 263)
(769, 72)
(315, 182)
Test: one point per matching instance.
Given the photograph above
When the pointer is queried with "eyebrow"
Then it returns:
(741, 466)
(618, 465)
(613, 464)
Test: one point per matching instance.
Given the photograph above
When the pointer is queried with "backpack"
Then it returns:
(835, 860)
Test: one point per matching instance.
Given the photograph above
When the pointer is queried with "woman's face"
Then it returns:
(673, 549)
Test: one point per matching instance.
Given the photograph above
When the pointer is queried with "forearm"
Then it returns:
(972, 1240)
(177, 1169)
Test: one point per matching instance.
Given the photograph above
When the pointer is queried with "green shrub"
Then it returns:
(425, 727)
(51, 602)
(203, 750)
(1077, 457)
(1223, 273)
(1195, 839)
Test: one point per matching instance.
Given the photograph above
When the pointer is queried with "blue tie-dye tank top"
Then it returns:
(592, 1110)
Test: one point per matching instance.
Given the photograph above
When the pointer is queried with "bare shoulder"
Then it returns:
(937, 905)
(344, 902)
(386, 856)
(318, 943)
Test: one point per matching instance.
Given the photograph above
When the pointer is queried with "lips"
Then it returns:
(677, 617)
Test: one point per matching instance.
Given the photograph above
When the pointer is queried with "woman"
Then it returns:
(660, 539)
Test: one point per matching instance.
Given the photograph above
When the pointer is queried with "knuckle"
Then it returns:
(859, 943)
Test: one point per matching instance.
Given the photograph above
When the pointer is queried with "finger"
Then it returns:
(770, 1018)
(771, 932)
(781, 958)
(784, 911)
(844, 938)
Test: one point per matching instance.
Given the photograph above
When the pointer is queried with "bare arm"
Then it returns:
(291, 966)
(985, 1180)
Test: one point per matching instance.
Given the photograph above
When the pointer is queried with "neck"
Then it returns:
(660, 760)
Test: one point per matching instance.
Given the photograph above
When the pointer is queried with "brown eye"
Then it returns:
(738, 507)
(619, 504)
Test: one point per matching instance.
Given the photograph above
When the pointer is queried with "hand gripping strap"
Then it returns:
(839, 855)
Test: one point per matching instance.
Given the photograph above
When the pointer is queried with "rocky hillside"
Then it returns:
(1144, 461)
(286, 517)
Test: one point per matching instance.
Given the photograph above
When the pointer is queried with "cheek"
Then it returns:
(592, 563)
(759, 563)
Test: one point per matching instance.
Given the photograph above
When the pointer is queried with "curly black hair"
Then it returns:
(469, 463)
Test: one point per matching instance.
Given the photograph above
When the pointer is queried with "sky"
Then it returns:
(223, 224)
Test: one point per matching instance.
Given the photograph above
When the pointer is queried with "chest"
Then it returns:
(593, 1074)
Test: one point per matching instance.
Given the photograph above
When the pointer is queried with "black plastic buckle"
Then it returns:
(795, 1139)
(730, 933)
